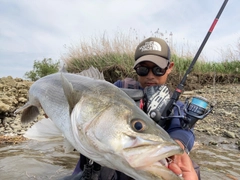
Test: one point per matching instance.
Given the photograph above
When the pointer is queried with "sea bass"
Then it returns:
(103, 123)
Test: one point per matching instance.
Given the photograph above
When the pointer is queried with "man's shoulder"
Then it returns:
(128, 83)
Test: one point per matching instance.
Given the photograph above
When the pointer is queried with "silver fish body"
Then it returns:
(100, 121)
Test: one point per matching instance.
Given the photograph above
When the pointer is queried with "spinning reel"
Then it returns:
(157, 97)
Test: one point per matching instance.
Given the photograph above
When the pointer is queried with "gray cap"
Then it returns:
(154, 50)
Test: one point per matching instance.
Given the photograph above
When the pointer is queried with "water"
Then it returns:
(217, 163)
(220, 161)
(36, 160)
(46, 160)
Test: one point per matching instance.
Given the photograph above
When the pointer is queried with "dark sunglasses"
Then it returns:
(157, 71)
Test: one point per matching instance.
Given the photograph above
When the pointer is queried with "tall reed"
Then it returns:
(104, 52)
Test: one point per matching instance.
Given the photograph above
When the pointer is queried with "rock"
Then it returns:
(237, 143)
(23, 91)
(22, 100)
(13, 94)
(9, 81)
(21, 85)
(188, 93)
(237, 124)
(226, 142)
(21, 133)
(4, 107)
(229, 134)
(2, 129)
(224, 121)
(16, 126)
(18, 80)
(13, 90)
(1, 87)
(213, 143)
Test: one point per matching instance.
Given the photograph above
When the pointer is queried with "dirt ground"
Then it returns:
(224, 120)
(222, 91)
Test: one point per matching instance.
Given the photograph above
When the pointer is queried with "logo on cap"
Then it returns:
(151, 45)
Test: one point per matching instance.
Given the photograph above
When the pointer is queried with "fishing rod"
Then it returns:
(196, 112)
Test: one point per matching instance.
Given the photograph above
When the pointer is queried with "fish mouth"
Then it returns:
(157, 155)
(160, 169)
(168, 158)
(153, 158)
(164, 162)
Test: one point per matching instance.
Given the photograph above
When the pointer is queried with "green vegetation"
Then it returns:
(42, 68)
(106, 53)
(115, 56)
(225, 67)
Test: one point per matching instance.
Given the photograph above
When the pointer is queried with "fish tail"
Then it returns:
(29, 113)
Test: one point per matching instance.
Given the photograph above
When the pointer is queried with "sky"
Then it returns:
(37, 29)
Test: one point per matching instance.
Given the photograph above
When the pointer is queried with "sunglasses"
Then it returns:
(157, 71)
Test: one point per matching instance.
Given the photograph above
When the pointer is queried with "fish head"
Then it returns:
(113, 131)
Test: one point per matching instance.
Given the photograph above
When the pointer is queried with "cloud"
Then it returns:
(40, 29)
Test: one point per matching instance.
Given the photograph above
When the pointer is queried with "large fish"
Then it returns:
(103, 123)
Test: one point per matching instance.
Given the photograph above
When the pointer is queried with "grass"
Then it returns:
(104, 52)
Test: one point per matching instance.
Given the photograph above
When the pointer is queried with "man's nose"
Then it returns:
(150, 74)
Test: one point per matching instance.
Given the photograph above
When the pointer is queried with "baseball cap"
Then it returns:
(154, 50)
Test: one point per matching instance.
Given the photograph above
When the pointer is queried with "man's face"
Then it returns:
(152, 80)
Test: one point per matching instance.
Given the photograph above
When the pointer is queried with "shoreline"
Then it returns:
(222, 122)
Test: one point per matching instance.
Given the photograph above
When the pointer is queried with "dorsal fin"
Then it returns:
(72, 96)
(93, 73)
(62, 67)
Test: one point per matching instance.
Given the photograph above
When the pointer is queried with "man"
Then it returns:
(153, 65)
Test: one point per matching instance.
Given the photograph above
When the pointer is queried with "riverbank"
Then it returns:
(224, 121)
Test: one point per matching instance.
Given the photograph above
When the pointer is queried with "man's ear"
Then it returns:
(170, 67)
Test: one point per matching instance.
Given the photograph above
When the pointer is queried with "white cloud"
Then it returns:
(40, 29)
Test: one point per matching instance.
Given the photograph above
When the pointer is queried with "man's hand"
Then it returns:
(182, 165)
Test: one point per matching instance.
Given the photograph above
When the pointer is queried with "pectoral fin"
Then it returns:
(67, 146)
(44, 130)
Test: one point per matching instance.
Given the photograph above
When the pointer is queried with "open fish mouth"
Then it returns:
(157, 163)
(153, 159)
(140, 152)
(160, 170)
(151, 155)
(165, 162)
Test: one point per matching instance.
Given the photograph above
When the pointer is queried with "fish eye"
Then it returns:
(138, 125)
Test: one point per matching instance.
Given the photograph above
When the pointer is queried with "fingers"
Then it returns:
(175, 168)
(181, 167)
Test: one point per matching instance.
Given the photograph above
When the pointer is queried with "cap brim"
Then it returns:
(159, 61)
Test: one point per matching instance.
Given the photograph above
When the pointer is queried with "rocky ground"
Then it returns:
(224, 121)
(13, 94)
